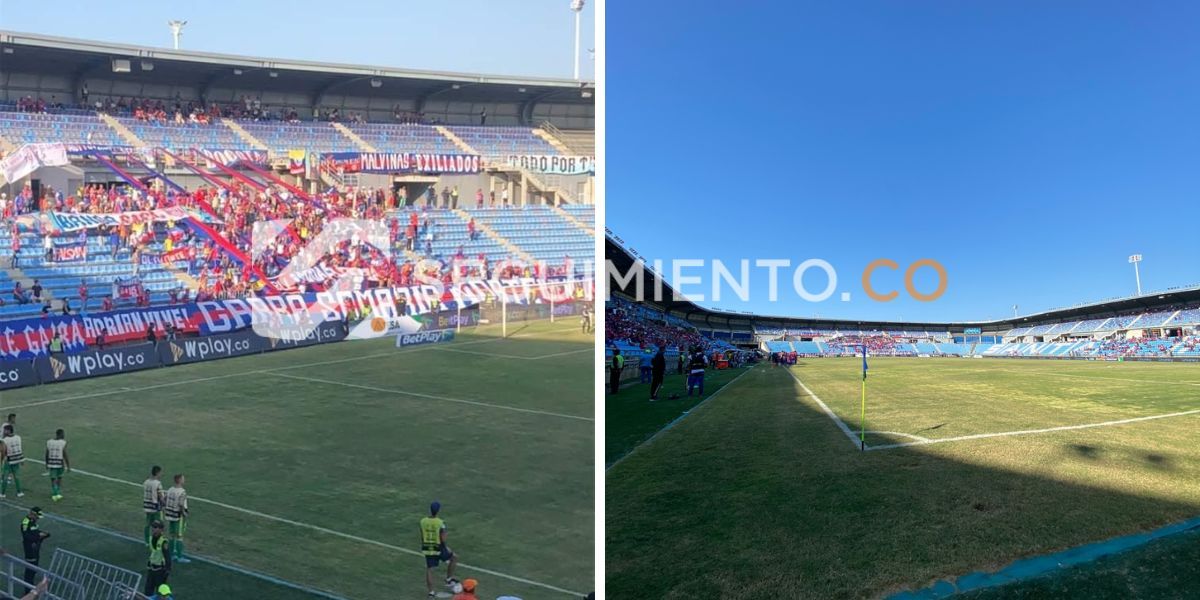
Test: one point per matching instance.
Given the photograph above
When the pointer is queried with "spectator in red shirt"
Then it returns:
(83, 295)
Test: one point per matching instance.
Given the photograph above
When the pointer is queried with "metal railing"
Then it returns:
(552, 129)
(99, 580)
(12, 581)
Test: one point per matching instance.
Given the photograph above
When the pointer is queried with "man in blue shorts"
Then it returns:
(433, 546)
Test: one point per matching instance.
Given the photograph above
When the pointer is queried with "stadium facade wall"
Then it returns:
(62, 178)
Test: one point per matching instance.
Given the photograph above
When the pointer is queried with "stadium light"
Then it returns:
(237, 71)
(1134, 260)
(176, 30)
(577, 7)
(376, 82)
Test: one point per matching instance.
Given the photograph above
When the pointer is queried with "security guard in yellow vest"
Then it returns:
(618, 363)
(433, 546)
(31, 538)
(158, 567)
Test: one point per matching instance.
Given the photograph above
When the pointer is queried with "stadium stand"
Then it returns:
(69, 126)
(1159, 326)
(179, 136)
(633, 330)
(282, 137)
(240, 120)
(169, 168)
(580, 142)
(498, 142)
(387, 137)
(583, 213)
(539, 232)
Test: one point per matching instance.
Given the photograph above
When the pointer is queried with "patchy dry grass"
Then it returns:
(759, 494)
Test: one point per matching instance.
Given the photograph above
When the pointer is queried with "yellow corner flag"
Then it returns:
(862, 436)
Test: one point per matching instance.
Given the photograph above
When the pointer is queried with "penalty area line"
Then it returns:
(980, 436)
(327, 531)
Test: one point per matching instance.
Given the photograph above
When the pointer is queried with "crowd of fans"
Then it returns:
(202, 110)
(38, 105)
(625, 323)
(235, 209)
(1147, 346)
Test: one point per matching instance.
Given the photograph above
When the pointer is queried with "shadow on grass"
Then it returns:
(759, 495)
(933, 428)
(631, 418)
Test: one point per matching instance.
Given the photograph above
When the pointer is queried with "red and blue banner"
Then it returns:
(228, 157)
(30, 337)
(167, 258)
(127, 287)
(70, 251)
(65, 222)
(400, 162)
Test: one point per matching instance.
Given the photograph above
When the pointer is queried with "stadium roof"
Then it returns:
(80, 59)
(623, 260)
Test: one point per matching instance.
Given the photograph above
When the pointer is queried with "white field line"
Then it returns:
(122, 390)
(897, 433)
(841, 424)
(1033, 431)
(567, 353)
(319, 529)
(514, 356)
(1156, 382)
(430, 396)
(676, 421)
(196, 557)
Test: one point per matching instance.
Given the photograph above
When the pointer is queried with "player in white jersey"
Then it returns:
(11, 457)
(175, 510)
(9, 421)
(152, 499)
(56, 462)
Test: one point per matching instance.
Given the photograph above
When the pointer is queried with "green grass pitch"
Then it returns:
(974, 463)
(314, 465)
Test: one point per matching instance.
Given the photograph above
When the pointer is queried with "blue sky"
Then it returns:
(1029, 147)
(508, 37)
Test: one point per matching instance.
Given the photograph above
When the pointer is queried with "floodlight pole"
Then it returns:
(577, 8)
(1135, 259)
(176, 30)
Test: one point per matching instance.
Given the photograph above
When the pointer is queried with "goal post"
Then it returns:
(513, 306)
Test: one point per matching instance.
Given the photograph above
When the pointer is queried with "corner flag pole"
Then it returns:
(862, 435)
